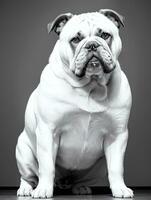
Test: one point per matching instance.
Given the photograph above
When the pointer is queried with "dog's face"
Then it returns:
(89, 43)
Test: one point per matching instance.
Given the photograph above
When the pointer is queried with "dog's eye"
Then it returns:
(105, 35)
(76, 40)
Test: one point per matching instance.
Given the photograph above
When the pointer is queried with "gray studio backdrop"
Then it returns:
(24, 50)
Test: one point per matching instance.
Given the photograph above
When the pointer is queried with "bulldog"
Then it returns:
(79, 112)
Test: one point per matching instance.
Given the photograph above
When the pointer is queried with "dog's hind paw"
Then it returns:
(24, 190)
(81, 190)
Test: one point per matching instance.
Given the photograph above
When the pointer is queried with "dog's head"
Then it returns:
(89, 43)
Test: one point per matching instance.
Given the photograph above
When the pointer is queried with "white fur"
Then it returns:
(73, 122)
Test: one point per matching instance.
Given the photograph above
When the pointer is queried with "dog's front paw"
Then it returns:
(121, 191)
(43, 191)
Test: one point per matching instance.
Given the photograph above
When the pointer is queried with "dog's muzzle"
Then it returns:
(93, 58)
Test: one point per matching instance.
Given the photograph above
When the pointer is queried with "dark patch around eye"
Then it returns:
(102, 34)
(98, 32)
(105, 35)
(75, 40)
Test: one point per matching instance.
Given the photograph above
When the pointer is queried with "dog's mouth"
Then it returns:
(94, 66)
(93, 63)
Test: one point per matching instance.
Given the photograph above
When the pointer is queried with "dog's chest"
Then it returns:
(92, 97)
(81, 139)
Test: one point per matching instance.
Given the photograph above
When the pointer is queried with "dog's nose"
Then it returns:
(92, 46)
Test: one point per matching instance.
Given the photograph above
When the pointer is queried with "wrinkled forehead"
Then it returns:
(88, 24)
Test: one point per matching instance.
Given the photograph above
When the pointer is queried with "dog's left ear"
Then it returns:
(115, 17)
(59, 22)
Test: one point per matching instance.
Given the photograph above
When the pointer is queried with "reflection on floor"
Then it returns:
(139, 195)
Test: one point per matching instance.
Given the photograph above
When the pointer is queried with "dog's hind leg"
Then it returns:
(27, 166)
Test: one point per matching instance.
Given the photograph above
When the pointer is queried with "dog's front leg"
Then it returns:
(46, 154)
(115, 147)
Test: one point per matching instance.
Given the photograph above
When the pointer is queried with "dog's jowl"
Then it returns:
(76, 119)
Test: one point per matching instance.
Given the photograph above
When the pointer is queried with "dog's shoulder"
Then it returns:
(120, 91)
(125, 91)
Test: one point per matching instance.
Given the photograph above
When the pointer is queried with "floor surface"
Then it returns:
(139, 195)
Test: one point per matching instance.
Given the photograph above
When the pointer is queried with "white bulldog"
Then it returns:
(79, 112)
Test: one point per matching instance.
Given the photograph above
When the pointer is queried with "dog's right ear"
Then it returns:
(58, 23)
